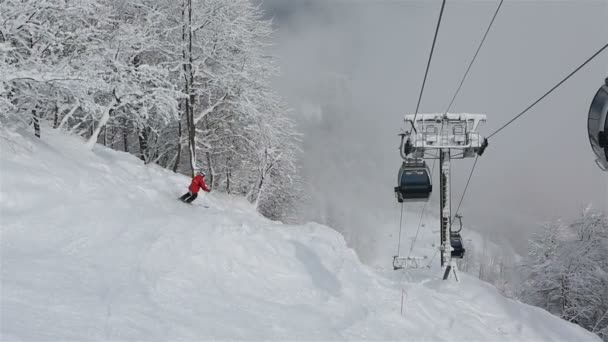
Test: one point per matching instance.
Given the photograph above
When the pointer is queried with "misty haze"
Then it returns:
(316, 170)
(352, 70)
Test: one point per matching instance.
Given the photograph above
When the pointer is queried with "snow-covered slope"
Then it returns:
(94, 246)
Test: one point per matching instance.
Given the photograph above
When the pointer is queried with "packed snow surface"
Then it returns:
(95, 246)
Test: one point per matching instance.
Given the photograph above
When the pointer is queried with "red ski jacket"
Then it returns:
(198, 182)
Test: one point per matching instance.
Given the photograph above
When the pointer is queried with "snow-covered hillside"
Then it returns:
(94, 246)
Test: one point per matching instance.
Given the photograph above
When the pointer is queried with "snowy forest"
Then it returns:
(190, 85)
(564, 272)
(185, 85)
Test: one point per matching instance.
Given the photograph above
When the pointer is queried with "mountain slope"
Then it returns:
(95, 246)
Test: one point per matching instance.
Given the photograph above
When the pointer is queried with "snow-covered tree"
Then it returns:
(567, 271)
(40, 41)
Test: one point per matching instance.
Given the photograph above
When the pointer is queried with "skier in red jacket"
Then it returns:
(198, 182)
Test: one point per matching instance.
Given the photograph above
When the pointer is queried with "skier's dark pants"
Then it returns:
(188, 197)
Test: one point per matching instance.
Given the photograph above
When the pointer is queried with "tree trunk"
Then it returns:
(36, 123)
(191, 92)
(65, 119)
(125, 139)
(101, 124)
(262, 176)
(113, 138)
(228, 181)
(143, 144)
(188, 79)
(259, 192)
(104, 120)
(564, 295)
(179, 144)
(55, 117)
(211, 170)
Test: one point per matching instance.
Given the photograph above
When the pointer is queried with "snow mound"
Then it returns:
(95, 246)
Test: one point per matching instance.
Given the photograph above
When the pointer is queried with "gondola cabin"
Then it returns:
(597, 126)
(457, 247)
(414, 181)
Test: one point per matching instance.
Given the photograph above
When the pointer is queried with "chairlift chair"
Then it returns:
(597, 126)
(414, 181)
(457, 247)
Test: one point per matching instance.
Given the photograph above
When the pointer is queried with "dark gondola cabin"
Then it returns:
(414, 181)
(457, 247)
(597, 125)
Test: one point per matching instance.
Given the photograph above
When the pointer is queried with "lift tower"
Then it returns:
(451, 136)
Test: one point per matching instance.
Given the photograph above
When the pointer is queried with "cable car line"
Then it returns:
(410, 172)
(453, 98)
(400, 229)
(550, 91)
(424, 207)
(460, 86)
(416, 177)
(452, 102)
(464, 192)
(522, 113)
(421, 215)
(475, 56)
(433, 258)
(401, 216)
(428, 65)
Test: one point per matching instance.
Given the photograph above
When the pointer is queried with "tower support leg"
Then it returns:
(445, 214)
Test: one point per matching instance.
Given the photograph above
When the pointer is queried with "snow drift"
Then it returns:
(94, 246)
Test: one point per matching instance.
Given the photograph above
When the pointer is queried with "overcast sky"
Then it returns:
(352, 69)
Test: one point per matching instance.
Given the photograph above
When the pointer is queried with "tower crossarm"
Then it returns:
(441, 131)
